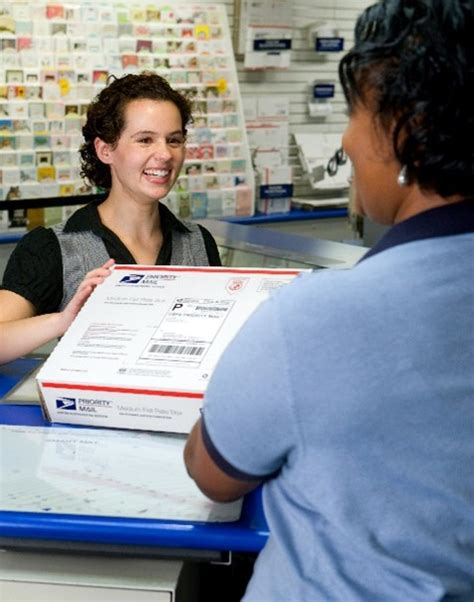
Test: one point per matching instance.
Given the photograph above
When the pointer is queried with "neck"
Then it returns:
(417, 201)
(130, 217)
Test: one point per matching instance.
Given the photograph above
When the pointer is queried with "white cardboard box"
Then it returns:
(283, 174)
(140, 353)
(277, 205)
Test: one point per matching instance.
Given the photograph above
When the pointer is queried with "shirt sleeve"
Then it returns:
(35, 272)
(211, 247)
(248, 424)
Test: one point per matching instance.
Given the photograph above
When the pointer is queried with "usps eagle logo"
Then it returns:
(132, 278)
(66, 403)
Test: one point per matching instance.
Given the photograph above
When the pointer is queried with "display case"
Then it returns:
(250, 246)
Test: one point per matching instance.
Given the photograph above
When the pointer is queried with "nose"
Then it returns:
(162, 150)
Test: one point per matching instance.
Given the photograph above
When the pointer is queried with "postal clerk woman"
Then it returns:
(134, 148)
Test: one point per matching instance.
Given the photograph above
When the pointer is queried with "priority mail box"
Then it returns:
(141, 351)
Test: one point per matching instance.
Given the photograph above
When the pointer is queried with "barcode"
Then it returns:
(176, 349)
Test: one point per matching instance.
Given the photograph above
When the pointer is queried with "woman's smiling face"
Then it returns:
(147, 158)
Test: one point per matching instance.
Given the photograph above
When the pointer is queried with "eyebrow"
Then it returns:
(153, 133)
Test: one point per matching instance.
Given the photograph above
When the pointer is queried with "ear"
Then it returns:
(103, 151)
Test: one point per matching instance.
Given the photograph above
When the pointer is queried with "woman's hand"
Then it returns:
(84, 290)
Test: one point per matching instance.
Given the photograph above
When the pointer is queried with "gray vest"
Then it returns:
(82, 252)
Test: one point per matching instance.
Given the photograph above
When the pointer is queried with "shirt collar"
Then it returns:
(448, 220)
(88, 218)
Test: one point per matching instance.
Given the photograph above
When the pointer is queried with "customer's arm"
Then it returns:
(210, 479)
(247, 428)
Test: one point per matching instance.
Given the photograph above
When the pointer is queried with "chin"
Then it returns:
(158, 192)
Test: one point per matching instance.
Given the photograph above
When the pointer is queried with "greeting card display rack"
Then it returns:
(54, 58)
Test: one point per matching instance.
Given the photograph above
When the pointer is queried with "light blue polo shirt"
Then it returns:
(352, 393)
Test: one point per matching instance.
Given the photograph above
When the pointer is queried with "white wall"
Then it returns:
(306, 66)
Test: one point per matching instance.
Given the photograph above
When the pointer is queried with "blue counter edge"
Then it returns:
(290, 216)
(122, 531)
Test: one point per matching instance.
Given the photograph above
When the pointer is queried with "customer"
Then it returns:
(19, 337)
(134, 148)
(350, 394)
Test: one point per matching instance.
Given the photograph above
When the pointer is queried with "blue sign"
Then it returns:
(323, 90)
(329, 44)
(269, 45)
(276, 191)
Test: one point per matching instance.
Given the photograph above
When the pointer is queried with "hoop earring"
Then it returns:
(402, 179)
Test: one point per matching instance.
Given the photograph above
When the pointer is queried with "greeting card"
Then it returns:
(55, 11)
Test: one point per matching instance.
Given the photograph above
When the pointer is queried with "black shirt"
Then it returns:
(35, 269)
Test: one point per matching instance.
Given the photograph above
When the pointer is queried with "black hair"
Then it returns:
(106, 117)
(413, 59)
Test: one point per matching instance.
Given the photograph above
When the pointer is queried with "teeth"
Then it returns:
(156, 173)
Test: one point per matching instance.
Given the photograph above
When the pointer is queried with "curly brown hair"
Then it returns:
(106, 117)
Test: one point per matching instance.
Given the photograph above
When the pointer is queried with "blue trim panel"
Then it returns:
(11, 374)
(236, 536)
(6, 239)
(288, 216)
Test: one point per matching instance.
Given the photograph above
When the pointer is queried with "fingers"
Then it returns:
(84, 290)
(91, 281)
(102, 272)
(109, 263)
